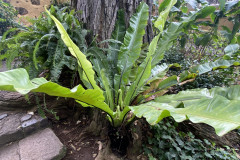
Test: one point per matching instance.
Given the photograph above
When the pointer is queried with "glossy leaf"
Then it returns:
(88, 72)
(158, 72)
(108, 89)
(231, 49)
(118, 34)
(164, 43)
(160, 22)
(206, 11)
(207, 67)
(131, 48)
(18, 80)
(218, 107)
(143, 73)
(222, 4)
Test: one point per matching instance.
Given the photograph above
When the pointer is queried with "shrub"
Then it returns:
(8, 16)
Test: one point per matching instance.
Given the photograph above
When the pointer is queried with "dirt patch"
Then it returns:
(80, 144)
(30, 8)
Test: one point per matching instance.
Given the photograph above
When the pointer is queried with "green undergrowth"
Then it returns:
(8, 15)
(39, 47)
(166, 143)
(222, 77)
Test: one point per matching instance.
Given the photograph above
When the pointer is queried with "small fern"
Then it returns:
(40, 49)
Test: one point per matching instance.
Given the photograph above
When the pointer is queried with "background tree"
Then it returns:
(100, 15)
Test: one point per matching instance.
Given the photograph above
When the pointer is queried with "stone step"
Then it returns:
(16, 126)
(43, 145)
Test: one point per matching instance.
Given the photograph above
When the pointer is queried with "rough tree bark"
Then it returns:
(100, 15)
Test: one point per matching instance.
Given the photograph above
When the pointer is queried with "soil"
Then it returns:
(33, 10)
(80, 144)
(83, 145)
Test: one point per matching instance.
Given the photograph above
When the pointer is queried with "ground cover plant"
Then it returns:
(123, 82)
(166, 142)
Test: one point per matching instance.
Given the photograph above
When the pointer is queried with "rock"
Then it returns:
(35, 2)
(10, 101)
(13, 129)
(10, 152)
(26, 117)
(21, 10)
(29, 123)
(43, 145)
(10, 129)
(3, 116)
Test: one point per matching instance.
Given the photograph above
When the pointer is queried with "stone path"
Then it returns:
(28, 137)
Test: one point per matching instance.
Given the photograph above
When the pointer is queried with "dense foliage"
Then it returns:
(8, 16)
(126, 78)
(202, 42)
(40, 49)
(166, 143)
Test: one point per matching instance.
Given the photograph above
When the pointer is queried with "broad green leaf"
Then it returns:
(164, 43)
(222, 4)
(231, 49)
(88, 72)
(201, 13)
(143, 73)
(163, 5)
(168, 82)
(118, 34)
(235, 29)
(218, 107)
(108, 89)
(18, 80)
(174, 29)
(184, 9)
(131, 48)
(160, 22)
(207, 67)
(158, 72)
(99, 61)
(206, 11)
(162, 87)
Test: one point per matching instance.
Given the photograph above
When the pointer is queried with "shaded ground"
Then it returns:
(80, 145)
(84, 146)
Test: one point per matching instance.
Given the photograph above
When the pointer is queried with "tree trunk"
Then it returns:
(100, 15)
